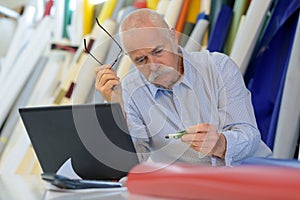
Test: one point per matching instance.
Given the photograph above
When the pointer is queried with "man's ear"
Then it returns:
(174, 36)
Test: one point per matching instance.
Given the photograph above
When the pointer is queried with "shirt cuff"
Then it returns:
(229, 147)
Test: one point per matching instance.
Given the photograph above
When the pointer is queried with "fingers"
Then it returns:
(97, 69)
(106, 80)
(199, 128)
(193, 137)
(201, 137)
(104, 74)
(196, 133)
(104, 69)
(198, 140)
(107, 75)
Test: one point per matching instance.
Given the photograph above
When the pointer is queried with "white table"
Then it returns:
(29, 187)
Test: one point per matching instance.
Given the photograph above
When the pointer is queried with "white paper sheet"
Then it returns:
(67, 170)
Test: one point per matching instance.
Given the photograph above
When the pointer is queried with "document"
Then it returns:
(67, 171)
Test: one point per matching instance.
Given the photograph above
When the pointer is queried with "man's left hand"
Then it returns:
(205, 138)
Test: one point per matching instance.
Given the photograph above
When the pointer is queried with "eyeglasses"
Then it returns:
(119, 54)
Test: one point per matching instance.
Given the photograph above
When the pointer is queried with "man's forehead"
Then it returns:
(144, 50)
(146, 38)
(144, 29)
(143, 46)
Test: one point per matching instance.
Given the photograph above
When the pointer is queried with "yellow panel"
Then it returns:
(107, 10)
(193, 11)
(151, 4)
(88, 17)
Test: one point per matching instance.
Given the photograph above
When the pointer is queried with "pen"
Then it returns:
(177, 135)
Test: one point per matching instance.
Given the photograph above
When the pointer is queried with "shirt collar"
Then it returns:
(186, 79)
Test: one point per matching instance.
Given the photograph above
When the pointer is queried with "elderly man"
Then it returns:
(201, 93)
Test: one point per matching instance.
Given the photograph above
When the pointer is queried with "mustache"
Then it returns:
(160, 71)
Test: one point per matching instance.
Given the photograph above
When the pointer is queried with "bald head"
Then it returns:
(142, 18)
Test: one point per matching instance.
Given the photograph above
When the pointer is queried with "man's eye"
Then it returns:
(141, 60)
(157, 52)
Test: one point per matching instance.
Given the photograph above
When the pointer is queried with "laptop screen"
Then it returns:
(94, 136)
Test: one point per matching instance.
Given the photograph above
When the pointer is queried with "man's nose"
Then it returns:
(153, 63)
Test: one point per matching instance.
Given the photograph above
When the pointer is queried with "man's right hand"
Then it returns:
(108, 83)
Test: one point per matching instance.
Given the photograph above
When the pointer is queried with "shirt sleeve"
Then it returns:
(236, 115)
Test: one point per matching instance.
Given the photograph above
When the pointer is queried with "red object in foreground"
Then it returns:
(183, 181)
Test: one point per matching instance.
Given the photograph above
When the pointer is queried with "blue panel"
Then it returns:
(219, 32)
(266, 73)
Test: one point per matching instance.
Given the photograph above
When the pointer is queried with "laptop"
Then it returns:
(94, 136)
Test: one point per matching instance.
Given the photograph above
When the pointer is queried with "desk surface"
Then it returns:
(16, 187)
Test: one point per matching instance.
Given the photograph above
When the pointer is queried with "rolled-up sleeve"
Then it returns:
(236, 115)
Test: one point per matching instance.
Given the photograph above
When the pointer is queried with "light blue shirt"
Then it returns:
(211, 90)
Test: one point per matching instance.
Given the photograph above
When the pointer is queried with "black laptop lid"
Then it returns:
(94, 136)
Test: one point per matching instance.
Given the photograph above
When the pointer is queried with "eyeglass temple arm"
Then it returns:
(88, 51)
(115, 61)
(121, 49)
(109, 34)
